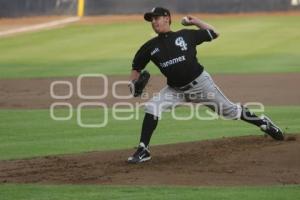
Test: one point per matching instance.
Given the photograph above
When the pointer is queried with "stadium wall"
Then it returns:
(96, 7)
(20, 8)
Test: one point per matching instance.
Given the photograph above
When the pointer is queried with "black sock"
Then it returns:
(149, 125)
(250, 117)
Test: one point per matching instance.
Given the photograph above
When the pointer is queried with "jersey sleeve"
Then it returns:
(142, 57)
(203, 35)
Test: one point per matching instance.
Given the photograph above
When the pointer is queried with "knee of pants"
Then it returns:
(153, 109)
(156, 108)
(232, 112)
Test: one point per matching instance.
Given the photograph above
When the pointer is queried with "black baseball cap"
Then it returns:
(157, 11)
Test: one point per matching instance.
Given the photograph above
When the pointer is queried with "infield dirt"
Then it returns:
(269, 89)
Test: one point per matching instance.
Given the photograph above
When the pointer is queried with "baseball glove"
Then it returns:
(137, 86)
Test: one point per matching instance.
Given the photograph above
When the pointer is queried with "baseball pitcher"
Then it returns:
(174, 53)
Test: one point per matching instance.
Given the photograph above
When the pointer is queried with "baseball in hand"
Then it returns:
(185, 21)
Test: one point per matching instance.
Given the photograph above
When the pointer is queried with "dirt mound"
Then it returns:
(251, 160)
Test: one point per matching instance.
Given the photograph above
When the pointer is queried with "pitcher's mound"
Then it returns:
(251, 160)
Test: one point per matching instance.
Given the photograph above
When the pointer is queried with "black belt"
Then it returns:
(187, 87)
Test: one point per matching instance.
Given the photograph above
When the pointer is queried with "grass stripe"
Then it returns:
(256, 44)
(66, 192)
(30, 133)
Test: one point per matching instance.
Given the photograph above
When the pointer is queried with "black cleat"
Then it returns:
(142, 154)
(271, 129)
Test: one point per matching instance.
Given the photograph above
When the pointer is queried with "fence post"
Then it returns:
(80, 8)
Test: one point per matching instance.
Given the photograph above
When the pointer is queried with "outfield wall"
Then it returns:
(96, 7)
(20, 8)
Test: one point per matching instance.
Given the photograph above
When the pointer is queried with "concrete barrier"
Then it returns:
(20, 8)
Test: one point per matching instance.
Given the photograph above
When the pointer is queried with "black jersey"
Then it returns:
(174, 53)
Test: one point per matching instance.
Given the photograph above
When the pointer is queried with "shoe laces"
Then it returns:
(140, 149)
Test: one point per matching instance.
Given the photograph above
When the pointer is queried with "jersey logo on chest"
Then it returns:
(154, 51)
(181, 43)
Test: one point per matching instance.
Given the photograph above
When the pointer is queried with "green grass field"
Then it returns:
(65, 192)
(261, 44)
(29, 133)
(253, 44)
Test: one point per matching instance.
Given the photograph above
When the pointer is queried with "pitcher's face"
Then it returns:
(161, 24)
